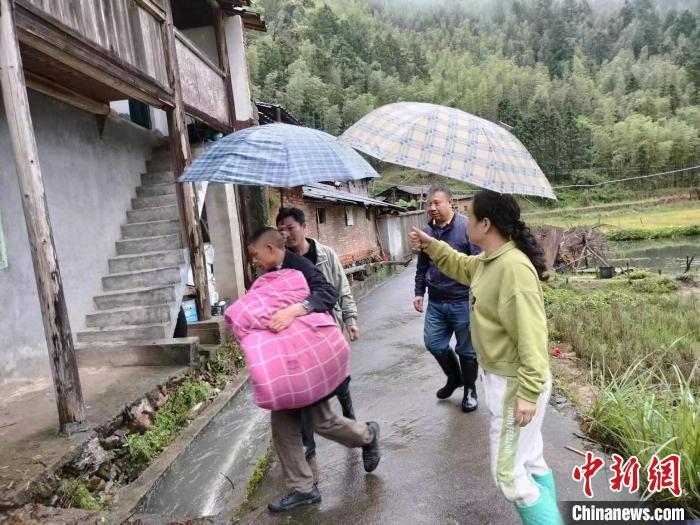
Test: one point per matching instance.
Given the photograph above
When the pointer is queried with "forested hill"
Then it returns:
(587, 87)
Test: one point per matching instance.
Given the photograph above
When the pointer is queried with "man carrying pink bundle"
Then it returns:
(267, 250)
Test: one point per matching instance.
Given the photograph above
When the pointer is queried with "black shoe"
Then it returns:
(346, 405)
(449, 365)
(309, 452)
(295, 499)
(470, 371)
(370, 453)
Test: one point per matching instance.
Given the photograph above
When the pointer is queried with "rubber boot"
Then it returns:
(543, 512)
(546, 481)
(450, 366)
(470, 371)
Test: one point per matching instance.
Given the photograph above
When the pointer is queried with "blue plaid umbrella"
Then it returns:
(279, 155)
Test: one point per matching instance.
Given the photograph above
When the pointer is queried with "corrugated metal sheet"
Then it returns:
(326, 193)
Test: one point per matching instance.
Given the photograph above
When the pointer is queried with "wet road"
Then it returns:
(434, 467)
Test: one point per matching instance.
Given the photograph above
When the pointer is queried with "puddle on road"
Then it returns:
(195, 485)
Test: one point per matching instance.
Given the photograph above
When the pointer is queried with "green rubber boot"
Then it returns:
(543, 512)
(547, 481)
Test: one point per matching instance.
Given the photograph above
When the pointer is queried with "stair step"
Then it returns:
(143, 332)
(146, 261)
(153, 202)
(159, 163)
(150, 228)
(155, 190)
(160, 213)
(149, 244)
(157, 177)
(132, 315)
(160, 352)
(135, 297)
(141, 279)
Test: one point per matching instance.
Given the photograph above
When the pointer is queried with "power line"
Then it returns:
(597, 184)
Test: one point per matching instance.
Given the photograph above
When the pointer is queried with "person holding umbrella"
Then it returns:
(447, 313)
(509, 331)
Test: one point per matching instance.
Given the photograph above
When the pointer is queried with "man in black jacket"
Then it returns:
(267, 251)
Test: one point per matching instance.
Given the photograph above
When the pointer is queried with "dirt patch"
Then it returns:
(572, 378)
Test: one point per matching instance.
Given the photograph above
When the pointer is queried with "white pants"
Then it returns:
(516, 452)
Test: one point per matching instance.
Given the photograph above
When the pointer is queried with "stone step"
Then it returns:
(132, 315)
(155, 190)
(158, 177)
(161, 154)
(141, 279)
(149, 244)
(146, 261)
(144, 332)
(160, 352)
(153, 202)
(159, 163)
(160, 213)
(150, 228)
(135, 297)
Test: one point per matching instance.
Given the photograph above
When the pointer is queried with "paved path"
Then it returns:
(434, 467)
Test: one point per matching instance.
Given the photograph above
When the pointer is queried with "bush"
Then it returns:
(644, 412)
(638, 234)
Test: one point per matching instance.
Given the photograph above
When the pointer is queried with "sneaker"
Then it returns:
(370, 453)
(295, 499)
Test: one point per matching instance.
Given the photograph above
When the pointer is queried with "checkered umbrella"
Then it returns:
(279, 155)
(449, 142)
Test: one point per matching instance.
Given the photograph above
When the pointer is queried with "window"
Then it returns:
(321, 215)
(3, 249)
(349, 217)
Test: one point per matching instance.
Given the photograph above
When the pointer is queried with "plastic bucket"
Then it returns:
(606, 272)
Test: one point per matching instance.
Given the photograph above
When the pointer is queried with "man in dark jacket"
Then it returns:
(267, 251)
(448, 301)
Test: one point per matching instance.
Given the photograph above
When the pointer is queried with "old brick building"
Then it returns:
(342, 217)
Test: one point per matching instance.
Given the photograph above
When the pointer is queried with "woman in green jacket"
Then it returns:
(509, 333)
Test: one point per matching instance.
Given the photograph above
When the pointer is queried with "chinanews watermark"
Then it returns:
(661, 474)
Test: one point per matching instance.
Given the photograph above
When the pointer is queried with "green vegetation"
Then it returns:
(644, 412)
(641, 340)
(75, 493)
(258, 474)
(624, 320)
(169, 420)
(636, 234)
(595, 91)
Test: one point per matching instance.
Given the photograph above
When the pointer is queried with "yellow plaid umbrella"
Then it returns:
(449, 142)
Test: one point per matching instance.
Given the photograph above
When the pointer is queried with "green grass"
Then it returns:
(168, 422)
(258, 474)
(613, 324)
(644, 412)
(74, 493)
(637, 234)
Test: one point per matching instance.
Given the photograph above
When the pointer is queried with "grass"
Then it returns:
(74, 493)
(612, 324)
(168, 422)
(641, 340)
(258, 474)
(637, 234)
(643, 413)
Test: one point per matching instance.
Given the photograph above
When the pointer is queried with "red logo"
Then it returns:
(626, 474)
(586, 471)
(665, 474)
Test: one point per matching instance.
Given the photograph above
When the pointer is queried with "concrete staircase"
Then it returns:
(143, 290)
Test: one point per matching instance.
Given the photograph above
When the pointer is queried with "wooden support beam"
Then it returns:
(52, 89)
(64, 366)
(182, 157)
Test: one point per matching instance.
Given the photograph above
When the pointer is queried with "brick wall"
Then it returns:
(351, 243)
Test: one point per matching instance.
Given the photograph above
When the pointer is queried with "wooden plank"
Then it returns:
(180, 150)
(198, 53)
(224, 127)
(64, 366)
(222, 49)
(62, 44)
(52, 89)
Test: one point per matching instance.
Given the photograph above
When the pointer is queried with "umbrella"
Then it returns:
(279, 155)
(449, 142)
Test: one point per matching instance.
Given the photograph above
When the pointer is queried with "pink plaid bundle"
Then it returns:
(298, 366)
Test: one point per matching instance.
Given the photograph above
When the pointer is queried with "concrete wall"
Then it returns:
(394, 230)
(89, 182)
(238, 65)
